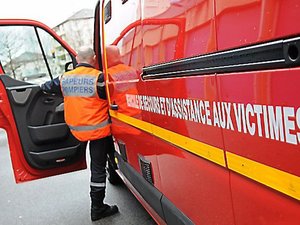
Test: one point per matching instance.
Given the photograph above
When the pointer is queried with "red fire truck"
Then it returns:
(206, 118)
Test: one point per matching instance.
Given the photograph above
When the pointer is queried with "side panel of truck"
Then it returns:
(211, 118)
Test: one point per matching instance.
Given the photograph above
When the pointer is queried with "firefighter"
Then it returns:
(86, 114)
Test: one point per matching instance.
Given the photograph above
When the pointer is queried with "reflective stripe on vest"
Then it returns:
(82, 85)
(90, 127)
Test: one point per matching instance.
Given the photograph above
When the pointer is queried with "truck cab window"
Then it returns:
(31, 54)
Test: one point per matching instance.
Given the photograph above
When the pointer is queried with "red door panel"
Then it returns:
(40, 142)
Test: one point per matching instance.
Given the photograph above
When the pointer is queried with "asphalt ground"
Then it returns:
(60, 200)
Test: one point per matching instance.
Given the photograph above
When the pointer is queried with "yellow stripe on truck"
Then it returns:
(206, 151)
(279, 180)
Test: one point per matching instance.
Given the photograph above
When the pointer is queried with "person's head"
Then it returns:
(86, 54)
(113, 55)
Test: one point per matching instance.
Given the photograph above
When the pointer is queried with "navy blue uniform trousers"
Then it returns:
(99, 151)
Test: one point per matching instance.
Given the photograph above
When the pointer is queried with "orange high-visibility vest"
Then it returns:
(85, 113)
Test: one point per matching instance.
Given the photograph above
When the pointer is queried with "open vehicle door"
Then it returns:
(40, 142)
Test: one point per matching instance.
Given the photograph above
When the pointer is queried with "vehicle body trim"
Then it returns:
(21, 87)
(270, 55)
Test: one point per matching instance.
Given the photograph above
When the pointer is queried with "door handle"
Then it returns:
(49, 100)
(114, 106)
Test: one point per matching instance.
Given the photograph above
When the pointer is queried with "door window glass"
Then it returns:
(25, 59)
(59, 56)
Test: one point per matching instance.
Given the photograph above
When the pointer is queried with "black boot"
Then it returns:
(98, 208)
(103, 211)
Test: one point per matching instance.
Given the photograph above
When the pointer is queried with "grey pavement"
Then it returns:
(60, 200)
